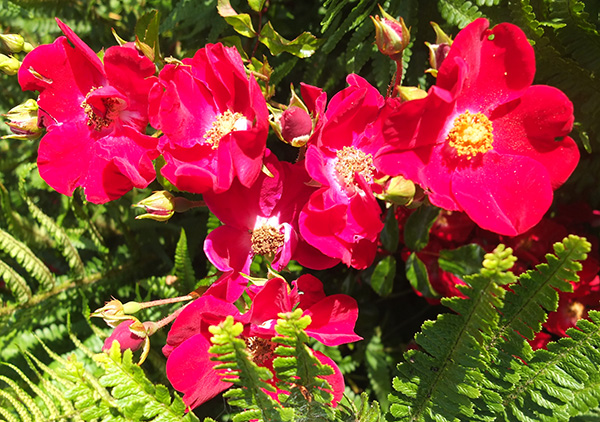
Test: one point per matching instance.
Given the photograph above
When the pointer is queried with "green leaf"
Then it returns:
(416, 272)
(462, 261)
(257, 5)
(302, 46)
(391, 232)
(416, 230)
(382, 279)
(146, 30)
(242, 23)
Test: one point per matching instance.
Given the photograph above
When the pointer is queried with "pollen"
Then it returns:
(576, 310)
(266, 240)
(223, 124)
(96, 119)
(471, 134)
(259, 349)
(351, 161)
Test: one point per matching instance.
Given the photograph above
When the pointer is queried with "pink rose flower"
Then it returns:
(343, 218)
(263, 220)
(214, 119)
(484, 140)
(95, 114)
(189, 367)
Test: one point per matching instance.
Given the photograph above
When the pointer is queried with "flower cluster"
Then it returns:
(483, 144)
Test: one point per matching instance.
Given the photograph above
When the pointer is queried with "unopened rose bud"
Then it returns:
(391, 35)
(439, 50)
(23, 121)
(9, 64)
(397, 190)
(12, 43)
(159, 206)
(112, 312)
(296, 125)
(126, 338)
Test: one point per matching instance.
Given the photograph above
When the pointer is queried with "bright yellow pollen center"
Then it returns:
(351, 161)
(223, 124)
(471, 134)
(266, 240)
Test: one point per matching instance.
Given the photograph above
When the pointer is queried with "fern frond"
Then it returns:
(236, 367)
(297, 366)
(59, 235)
(27, 259)
(134, 393)
(184, 271)
(17, 284)
(442, 380)
(357, 16)
(526, 305)
(577, 34)
(459, 12)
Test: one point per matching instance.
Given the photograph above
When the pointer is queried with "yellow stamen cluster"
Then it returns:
(576, 310)
(96, 121)
(351, 161)
(266, 240)
(223, 124)
(471, 134)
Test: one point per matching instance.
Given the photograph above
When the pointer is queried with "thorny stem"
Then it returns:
(152, 303)
(399, 71)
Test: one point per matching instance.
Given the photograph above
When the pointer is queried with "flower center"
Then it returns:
(576, 310)
(471, 134)
(351, 161)
(96, 119)
(223, 124)
(266, 240)
(260, 349)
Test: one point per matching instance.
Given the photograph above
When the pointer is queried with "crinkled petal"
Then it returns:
(229, 248)
(507, 194)
(335, 380)
(272, 299)
(500, 65)
(536, 126)
(333, 320)
(191, 371)
(133, 75)
(196, 318)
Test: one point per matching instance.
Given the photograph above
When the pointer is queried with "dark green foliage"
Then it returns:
(115, 389)
(186, 279)
(476, 364)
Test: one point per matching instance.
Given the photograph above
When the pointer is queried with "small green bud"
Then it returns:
(391, 35)
(23, 121)
(9, 65)
(159, 206)
(397, 190)
(12, 43)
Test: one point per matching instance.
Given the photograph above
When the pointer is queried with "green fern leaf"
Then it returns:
(297, 366)
(442, 381)
(183, 264)
(236, 367)
(458, 12)
(356, 17)
(27, 259)
(61, 238)
(133, 392)
(17, 284)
